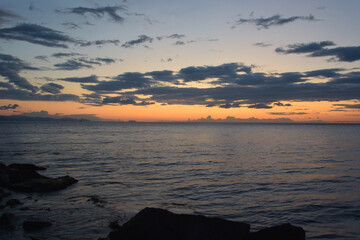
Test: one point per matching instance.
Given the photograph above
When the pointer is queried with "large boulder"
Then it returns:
(4, 175)
(160, 224)
(34, 225)
(280, 232)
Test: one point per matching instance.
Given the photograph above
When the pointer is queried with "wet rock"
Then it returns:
(97, 201)
(114, 225)
(8, 221)
(26, 166)
(43, 184)
(34, 225)
(24, 208)
(24, 178)
(4, 175)
(159, 224)
(280, 232)
(13, 202)
(3, 194)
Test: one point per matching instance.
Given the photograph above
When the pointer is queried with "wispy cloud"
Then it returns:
(320, 49)
(275, 20)
(84, 62)
(10, 68)
(111, 12)
(140, 40)
(10, 106)
(7, 16)
(53, 88)
(36, 34)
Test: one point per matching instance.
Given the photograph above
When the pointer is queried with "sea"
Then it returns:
(260, 174)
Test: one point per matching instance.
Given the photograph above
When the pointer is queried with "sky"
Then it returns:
(167, 60)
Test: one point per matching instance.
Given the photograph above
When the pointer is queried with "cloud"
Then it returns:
(82, 62)
(179, 43)
(72, 64)
(262, 44)
(7, 107)
(18, 94)
(99, 43)
(51, 88)
(280, 104)
(122, 100)
(260, 106)
(348, 106)
(89, 79)
(304, 47)
(6, 16)
(111, 12)
(172, 36)
(275, 20)
(287, 113)
(62, 54)
(141, 39)
(127, 80)
(318, 49)
(10, 67)
(36, 34)
(71, 25)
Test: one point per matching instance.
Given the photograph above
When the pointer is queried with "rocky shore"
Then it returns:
(148, 224)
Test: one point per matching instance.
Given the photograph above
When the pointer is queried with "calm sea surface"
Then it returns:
(261, 174)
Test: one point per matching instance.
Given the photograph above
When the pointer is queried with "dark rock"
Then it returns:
(26, 166)
(4, 175)
(43, 184)
(280, 232)
(96, 200)
(114, 225)
(24, 208)
(8, 220)
(35, 225)
(13, 202)
(159, 224)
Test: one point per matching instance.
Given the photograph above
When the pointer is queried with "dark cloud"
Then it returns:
(280, 104)
(304, 47)
(41, 57)
(225, 71)
(173, 36)
(276, 20)
(351, 78)
(141, 39)
(179, 43)
(127, 80)
(122, 100)
(18, 94)
(319, 49)
(260, 106)
(71, 25)
(99, 43)
(349, 106)
(326, 73)
(72, 64)
(10, 67)
(6, 16)
(287, 113)
(342, 54)
(111, 12)
(61, 54)
(7, 107)
(52, 88)
(36, 34)
(262, 44)
(89, 79)
(80, 63)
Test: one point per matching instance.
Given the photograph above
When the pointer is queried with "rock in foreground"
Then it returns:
(159, 224)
